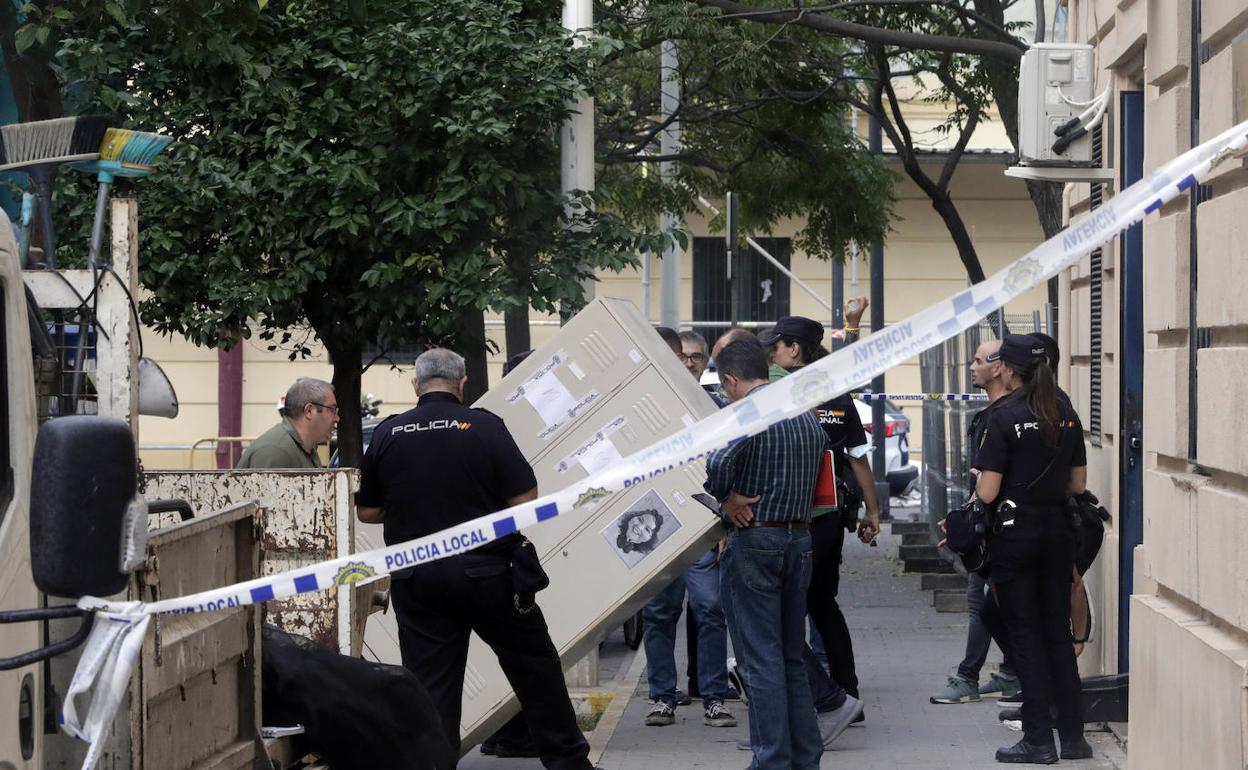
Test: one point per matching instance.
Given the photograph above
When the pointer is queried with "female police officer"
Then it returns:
(1031, 459)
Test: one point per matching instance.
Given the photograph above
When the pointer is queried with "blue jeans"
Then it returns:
(765, 574)
(659, 618)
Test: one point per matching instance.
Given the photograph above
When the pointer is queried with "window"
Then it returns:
(766, 288)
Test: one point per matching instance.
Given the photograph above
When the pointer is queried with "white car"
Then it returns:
(899, 473)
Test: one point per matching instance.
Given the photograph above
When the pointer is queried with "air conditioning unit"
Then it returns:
(1057, 110)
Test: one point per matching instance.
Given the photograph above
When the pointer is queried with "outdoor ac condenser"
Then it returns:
(602, 388)
(1055, 84)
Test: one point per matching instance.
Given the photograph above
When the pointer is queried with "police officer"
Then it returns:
(1031, 460)
(436, 466)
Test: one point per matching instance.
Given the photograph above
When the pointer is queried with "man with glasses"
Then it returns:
(309, 414)
(709, 664)
(693, 353)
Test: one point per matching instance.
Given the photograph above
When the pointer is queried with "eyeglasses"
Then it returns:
(697, 357)
(326, 406)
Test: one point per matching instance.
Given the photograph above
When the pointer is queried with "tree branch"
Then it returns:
(830, 25)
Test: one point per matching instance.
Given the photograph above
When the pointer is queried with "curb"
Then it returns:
(622, 692)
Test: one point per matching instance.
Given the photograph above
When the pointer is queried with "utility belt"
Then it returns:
(1008, 516)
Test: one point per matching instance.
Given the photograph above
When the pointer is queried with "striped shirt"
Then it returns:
(778, 465)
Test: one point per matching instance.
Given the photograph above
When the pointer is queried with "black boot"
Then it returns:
(1076, 749)
(1024, 753)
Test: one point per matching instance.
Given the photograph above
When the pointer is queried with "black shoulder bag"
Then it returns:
(967, 527)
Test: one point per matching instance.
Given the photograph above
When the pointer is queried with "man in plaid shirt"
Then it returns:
(765, 484)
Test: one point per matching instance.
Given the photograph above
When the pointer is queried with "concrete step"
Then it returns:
(909, 527)
(924, 551)
(943, 581)
(949, 600)
(918, 538)
(934, 564)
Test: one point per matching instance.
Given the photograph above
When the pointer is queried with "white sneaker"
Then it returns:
(833, 723)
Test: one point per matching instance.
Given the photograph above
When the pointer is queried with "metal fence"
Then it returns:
(944, 369)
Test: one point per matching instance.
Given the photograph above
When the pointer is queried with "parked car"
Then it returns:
(899, 473)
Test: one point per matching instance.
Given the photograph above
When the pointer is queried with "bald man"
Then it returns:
(985, 624)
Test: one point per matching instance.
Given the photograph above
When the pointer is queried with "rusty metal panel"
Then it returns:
(305, 517)
(199, 675)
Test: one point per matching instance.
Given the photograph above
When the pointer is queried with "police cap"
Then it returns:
(1022, 350)
(796, 327)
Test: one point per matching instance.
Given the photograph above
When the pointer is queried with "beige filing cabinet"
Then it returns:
(601, 389)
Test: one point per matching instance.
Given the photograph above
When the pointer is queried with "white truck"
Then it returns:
(194, 699)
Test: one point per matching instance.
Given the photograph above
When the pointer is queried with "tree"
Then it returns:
(353, 170)
(754, 118)
(973, 38)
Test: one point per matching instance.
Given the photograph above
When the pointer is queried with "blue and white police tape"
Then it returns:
(921, 396)
(832, 375)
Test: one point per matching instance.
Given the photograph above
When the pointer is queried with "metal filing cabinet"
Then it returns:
(601, 389)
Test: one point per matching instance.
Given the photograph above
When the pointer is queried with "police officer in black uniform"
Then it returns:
(436, 466)
(1031, 460)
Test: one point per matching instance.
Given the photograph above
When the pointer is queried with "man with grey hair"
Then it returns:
(694, 353)
(309, 414)
(437, 466)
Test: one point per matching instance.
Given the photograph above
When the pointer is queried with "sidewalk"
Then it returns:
(904, 650)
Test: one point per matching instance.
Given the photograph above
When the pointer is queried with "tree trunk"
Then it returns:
(345, 357)
(345, 350)
(471, 337)
(516, 326)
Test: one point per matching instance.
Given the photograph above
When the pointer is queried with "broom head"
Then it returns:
(132, 151)
(49, 142)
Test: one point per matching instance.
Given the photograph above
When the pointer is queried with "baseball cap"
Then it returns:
(794, 326)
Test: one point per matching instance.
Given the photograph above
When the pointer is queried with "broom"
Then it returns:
(123, 153)
(39, 147)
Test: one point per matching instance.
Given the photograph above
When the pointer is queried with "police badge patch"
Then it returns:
(591, 496)
(813, 385)
(1022, 276)
(353, 572)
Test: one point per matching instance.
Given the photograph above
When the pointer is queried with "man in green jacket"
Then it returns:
(309, 415)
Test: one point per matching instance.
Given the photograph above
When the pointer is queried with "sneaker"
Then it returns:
(958, 690)
(682, 698)
(661, 713)
(1013, 724)
(1010, 715)
(743, 744)
(715, 715)
(1000, 686)
(1012, 701)
(833, 723)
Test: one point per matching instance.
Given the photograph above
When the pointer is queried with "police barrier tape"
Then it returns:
(113, 647)
(921, 396)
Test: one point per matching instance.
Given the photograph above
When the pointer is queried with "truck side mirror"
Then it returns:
(85, 474)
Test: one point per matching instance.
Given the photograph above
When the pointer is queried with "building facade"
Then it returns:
(1155, 325)
(921, 265)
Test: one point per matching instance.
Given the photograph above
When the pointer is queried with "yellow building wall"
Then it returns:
(921, 266)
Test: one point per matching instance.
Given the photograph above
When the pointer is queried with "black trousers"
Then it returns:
(827, 538)
(1032, 574)
(440, 604)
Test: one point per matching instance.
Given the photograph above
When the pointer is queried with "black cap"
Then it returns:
(1022, 350)
(794, 326)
